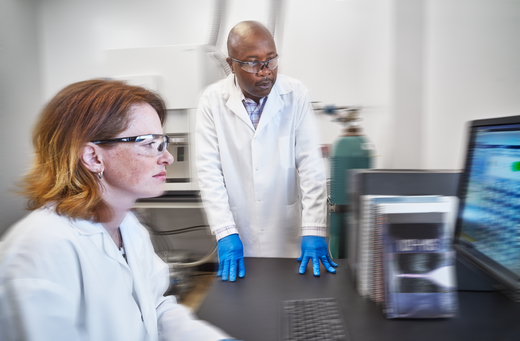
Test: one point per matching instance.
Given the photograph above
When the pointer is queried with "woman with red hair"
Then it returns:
(80, 266)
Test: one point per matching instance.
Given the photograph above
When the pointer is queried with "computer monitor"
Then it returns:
(488, 220)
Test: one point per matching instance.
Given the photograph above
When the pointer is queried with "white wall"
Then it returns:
(339, 49)
(20, 100)
(421, 68)
(472, 72)
(407, 85)
(75, 34)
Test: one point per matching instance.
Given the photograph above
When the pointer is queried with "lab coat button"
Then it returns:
(256, 168)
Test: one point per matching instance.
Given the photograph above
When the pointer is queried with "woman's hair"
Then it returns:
(80, 113)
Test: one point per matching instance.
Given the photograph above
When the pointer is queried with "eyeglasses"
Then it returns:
(150, 144)
(257, 66)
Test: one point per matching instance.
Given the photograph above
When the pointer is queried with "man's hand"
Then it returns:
(231, 252)
(315, 248)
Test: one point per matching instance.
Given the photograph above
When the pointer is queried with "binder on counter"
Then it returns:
(417, 267)
(366, 185)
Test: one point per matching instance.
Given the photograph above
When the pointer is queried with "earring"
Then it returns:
(100, 175)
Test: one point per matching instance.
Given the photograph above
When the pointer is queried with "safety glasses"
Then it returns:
(150, 144)
(257, 66)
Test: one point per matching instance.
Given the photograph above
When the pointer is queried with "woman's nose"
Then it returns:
(166, 158)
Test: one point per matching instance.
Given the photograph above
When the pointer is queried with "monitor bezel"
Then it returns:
(506, 281)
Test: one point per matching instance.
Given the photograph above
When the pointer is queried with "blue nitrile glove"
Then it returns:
(230, 251)
(315, 248)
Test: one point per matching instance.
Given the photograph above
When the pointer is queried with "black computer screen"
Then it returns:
(488, 223)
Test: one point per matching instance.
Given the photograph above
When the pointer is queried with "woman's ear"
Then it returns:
(92, 158)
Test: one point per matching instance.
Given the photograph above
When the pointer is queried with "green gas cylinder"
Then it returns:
(352, 150)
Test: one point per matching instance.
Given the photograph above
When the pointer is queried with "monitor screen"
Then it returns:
(488, 222)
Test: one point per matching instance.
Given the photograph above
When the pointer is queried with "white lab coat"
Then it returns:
(66, 280)
(269, 182)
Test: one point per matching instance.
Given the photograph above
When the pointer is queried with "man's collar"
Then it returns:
(241, 93)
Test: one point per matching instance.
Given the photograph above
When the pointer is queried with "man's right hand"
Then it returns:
(231, 252)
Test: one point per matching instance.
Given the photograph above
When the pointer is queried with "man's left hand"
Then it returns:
(315, 248)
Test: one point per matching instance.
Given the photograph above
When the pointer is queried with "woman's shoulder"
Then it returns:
(40, 228)
(41, 217)
(41, 244)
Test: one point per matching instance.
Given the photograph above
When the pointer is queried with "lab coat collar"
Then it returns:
(272, 107)
(87, 227)
(133, 241)
(234, 103)
(134, 246)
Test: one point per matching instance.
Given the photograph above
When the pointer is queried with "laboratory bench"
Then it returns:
(250, 308)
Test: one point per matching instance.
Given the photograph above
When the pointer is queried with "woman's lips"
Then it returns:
(161, 176)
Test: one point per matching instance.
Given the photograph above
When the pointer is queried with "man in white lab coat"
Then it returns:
(260, 173)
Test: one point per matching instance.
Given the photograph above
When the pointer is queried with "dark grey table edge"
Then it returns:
(249, 309)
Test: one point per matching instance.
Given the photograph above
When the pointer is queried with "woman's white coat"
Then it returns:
(66, 280)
